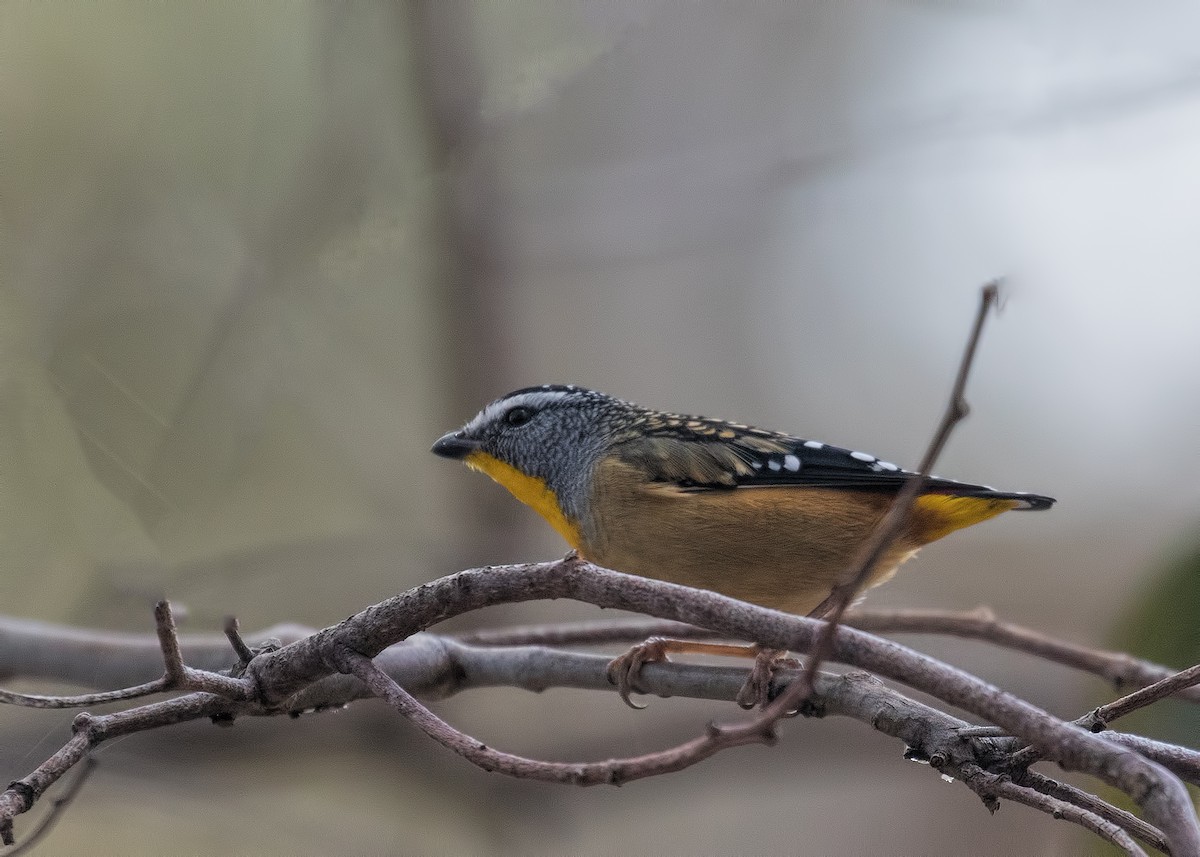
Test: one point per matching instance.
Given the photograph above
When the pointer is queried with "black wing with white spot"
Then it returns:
(699, 454)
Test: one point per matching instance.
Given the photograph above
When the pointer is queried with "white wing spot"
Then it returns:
(757, 465)
(773, 464)
(791, 462)
(887, 465)
(814, 444)
(863, 456)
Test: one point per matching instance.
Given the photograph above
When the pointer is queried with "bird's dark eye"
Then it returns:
(518, 416)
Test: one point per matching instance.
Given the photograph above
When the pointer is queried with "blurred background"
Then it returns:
(256, 257)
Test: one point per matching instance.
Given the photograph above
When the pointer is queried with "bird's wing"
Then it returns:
(695, 454)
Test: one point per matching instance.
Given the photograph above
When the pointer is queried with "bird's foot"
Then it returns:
(756, 692)
(623, 670)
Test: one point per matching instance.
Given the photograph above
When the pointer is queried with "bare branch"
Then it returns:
(177, 677)
(90, 731)
(105, 659)
(233, 633)
(981, 624)
(1182, 762)
(181, 677)
(610, 772)
(585, 633)
(992, 786)
(1105, 714)
(283, 673)
(1098, 719)
(83, 700)
(1120, 669)
(442, 666)
(931, 732)
(168, 641)
(55, 812)
(1091, 803)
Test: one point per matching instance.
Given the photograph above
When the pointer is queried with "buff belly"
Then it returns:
(780, 547)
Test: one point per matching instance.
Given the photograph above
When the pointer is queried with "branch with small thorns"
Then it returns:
(381, 653)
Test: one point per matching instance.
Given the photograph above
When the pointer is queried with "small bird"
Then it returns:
(754, 514)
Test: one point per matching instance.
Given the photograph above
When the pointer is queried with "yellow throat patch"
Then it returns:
(530, 490)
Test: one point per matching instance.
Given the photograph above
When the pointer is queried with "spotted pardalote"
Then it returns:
(759, 515)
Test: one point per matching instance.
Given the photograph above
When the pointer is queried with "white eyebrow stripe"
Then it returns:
(535, 399)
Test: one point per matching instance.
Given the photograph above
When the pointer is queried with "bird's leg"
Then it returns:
(623, 670)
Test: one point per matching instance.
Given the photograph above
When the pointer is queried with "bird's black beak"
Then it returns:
(454, 445)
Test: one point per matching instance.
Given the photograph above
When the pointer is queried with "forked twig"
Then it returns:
(1149, 834)
(1097, 719)
(991, 786)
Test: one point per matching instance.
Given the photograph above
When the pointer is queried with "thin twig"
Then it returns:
(611, 772)
(60, 803)
(1149, 834)
(168, 641)
(83, 700)
(1120, 669)
(233, 633)
(990, 787)
(894, 520)
(90, 731)
(1105, 714)
(1098, 719)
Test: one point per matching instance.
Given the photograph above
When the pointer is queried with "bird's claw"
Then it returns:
(623, 670)
(756, 692)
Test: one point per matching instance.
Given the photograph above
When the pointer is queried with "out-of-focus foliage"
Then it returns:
(1163, 625)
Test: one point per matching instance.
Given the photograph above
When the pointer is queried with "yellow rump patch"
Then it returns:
(939, 515)
(530, 490)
